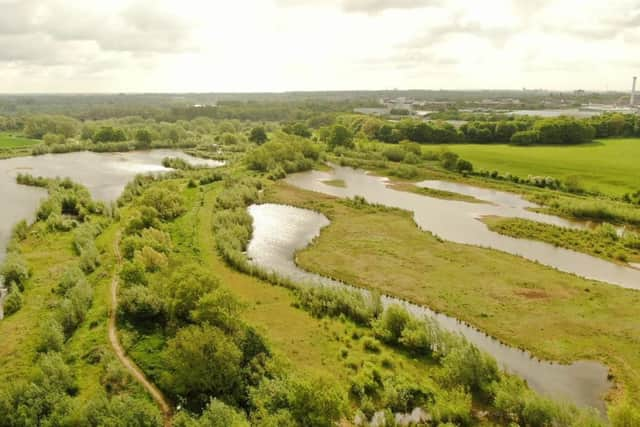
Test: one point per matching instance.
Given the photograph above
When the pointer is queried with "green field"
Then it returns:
(8, 140)
(610, 166)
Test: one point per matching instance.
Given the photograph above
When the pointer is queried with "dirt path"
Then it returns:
(135, 371)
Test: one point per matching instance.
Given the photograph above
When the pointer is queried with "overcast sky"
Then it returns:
(280, 45)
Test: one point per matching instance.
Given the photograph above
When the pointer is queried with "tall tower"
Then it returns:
(632, 98)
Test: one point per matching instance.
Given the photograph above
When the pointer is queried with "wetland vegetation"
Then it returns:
(228, 342)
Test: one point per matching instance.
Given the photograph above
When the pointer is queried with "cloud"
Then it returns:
(370, 7)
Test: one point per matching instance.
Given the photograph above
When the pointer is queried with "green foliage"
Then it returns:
(14, 270)
(184, 289)
(219, 308)
(13, 301)
(51, 336)
(168, 202)
(258, 135)
(202, 361)
(109, 134)
(468, 367)
(328, 301)
(143, 138)
(290, 153)
(452, 406)
(339, 136)
(624, 415)
(395, 153)
(20, 230)
(525, 137)
(140, 303)
(216, 414)
(121, 410)
(315, 402)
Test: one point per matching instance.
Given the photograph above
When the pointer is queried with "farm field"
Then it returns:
(8, 140)
(610, 166)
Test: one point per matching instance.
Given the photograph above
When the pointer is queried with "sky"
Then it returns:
(60, 46)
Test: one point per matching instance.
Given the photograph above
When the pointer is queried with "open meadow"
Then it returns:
(608, 165)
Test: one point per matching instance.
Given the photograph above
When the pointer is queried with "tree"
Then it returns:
(339, 136)
(143, 138)
(166, 201)
(185, 288)
(201, 361)
(258, 135)
(219, 308)
(216, 414)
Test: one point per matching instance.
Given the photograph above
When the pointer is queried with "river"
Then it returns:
(279, 231)
(459, 221)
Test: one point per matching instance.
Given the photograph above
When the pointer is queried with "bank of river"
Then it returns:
(458, 221)
(279, 231)
(104, 174)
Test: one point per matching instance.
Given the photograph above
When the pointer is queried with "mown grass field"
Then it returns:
(8, 140)
(554, 315)
(608, 165)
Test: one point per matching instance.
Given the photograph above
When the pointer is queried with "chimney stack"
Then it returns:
(632, 99)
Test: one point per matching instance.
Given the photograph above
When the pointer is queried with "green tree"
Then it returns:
(258, 135)
(143, 138)
(339, 136)
(201, 361)
(13, 302)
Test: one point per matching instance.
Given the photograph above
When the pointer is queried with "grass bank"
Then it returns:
(602, 241)
(554, 315)
(608, 165)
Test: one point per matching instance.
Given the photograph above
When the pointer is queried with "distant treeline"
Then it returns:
(522, 131)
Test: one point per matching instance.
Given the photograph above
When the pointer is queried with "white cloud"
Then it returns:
(258, 45)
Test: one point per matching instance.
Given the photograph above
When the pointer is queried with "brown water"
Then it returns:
(104, 174)
(458, 221)
(279, 231)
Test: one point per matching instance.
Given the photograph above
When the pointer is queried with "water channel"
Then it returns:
(458, 221)
(279, 231)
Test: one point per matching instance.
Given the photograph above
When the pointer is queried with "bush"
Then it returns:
(394, 153)
(140, 303)
(467, 366)
(316, 402)
(371, 345)
(525, 137)
(216, 414)
(15, 270)
(20, 230)
(13, 301)
(166, 201)
(51, 337)
(452, 406)
(624, 415)
(389, 326)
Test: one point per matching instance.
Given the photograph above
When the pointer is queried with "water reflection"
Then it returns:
(279, 231)
(458, 221)
(104, 174)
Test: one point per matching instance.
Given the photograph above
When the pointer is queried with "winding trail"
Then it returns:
(133, 369)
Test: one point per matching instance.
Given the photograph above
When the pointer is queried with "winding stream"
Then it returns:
(104, 174)
(458, 221)
(279, 231)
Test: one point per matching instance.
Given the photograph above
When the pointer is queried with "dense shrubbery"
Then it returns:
(284, 153)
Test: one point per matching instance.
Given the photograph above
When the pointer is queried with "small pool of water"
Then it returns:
(279, 231)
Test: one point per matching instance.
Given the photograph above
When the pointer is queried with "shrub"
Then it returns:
(151, 259)
(389, 326)
(20, 230)
(394, 153)
(452, 406)
(467, 366)
(51, 336)
(166, 201)
(15, 270)
(13, 301)
(371, 345)
(133, 273)
(216, 414)
(71, 277)
(525, 137)
(140, 303)
(624, 415)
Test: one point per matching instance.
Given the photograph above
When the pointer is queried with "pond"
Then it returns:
(279, 231)
(459, 221)
(104, 174)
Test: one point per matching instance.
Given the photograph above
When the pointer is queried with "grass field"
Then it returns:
(554, 315)
(610, 165)
(8, 140)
